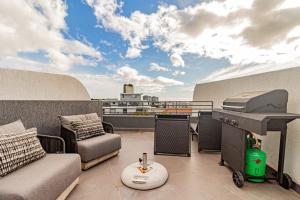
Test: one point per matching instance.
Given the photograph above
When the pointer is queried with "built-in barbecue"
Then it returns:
(253, 112)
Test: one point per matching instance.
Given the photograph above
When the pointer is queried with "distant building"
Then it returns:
(150, 98)
(154, 99)
(147, 98)
(129, 102)
(110, 102)
(128, 89)
(129, 95)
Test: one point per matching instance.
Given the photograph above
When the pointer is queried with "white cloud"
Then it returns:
(178, 93)
(22, 63)
(238, 71)
(148, 84)
(133, 52)
(243, 32)
(106, 43)
(111, 67)
(177, 60)
(167, 81)
(97, 85)
(164, 88)
(37, 27)
(130, 29)
(178, 73)
(158, 68)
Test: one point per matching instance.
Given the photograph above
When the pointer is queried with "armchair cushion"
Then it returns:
(66, 120)
(18, 150)
(96, 147)
(14, 127)
(87, 128)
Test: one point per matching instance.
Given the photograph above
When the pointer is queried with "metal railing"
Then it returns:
(151, 108)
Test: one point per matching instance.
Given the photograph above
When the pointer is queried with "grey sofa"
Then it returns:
(51, 177)
(93, 150)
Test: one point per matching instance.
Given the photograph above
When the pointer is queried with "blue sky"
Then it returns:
(82, 25)
(163, 47)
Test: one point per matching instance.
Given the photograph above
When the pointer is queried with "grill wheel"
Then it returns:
(287, 181)
(238, 178)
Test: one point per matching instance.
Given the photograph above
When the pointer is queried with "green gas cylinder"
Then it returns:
(255, 161)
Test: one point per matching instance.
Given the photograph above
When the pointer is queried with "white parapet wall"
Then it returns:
(28, 85)
(288, 79)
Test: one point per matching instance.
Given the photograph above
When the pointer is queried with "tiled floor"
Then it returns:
(197, 177)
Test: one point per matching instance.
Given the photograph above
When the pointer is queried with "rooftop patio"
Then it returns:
(195, 177)
(158, 100)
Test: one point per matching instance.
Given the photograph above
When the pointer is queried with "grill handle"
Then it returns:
(233, 107)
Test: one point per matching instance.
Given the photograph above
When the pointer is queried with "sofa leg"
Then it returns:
(86, 166)
(68, 190)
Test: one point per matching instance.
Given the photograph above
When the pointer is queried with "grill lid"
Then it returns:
(274, 101)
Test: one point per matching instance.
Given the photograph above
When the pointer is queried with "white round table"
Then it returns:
(156, 176)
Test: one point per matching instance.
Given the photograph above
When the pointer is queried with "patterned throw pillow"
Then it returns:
(87, 128)
(18, 150)
(13, 127)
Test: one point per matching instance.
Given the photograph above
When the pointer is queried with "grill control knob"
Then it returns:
(226, 120)
(234, 123)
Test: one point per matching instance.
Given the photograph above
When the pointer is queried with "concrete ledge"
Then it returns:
(130, 122)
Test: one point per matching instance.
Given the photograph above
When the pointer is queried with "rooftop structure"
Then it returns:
(131, 97)
(28, 85)
(147, 98)
(128, 89)
(150, 98)
(198, 176)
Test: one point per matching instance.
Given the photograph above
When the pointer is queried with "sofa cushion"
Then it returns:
(66, 120)
(96, 147)
(18, 150)
(87, 129)
(14, 127)
(44, 179)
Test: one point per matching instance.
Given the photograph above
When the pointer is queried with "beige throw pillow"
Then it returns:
(18, 150)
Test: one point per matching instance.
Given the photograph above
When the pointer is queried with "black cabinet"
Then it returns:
(172, 135)
(209, 132)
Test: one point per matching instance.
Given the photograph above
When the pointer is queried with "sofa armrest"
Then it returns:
(69, 137)
(52, 144)
(108, 128)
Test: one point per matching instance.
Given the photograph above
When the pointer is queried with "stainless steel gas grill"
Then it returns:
(274, 101)
(253, 112)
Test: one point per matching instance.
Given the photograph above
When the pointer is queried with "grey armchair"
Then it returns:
(92, 150)
(52, 144)
(69, 136)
